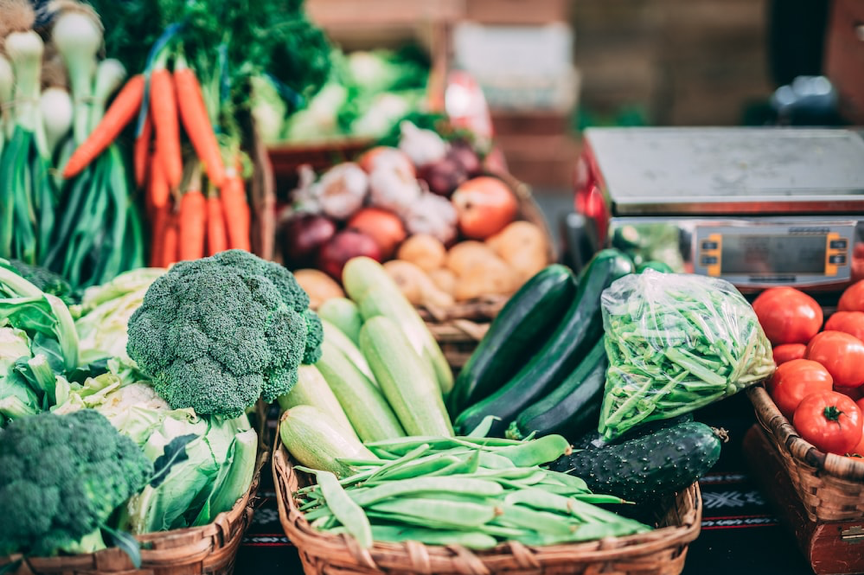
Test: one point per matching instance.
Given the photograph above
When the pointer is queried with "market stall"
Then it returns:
(269, 305)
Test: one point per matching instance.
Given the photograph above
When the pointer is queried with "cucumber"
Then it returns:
(573, 406)
(343, 313)
(595, 440)
(375, 292)
(655, 265)
(647, 467)
(316, 441)
(411, 390)
(367, 410)
(519, 330)
(576, 334)
(312, 389)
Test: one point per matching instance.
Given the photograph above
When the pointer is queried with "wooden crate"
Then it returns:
(831, 547)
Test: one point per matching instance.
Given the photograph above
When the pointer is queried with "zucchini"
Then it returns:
(375, 292)
(367, 410)
(344, 344)
(410, 389)
(576, 334)
(521, 327)
(344, 314)
(655, 265)
(647, 467)
(573, 406)
(312, 389)
(316, 441)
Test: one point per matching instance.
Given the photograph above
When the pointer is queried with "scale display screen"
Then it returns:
(764, 254)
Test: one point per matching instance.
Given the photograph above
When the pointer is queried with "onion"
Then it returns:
(443, 176)
(302, 235)
(345, 245)
(463, 154)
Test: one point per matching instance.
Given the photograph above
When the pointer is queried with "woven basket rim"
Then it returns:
(801, 450)
(156, 547)
(301, 533)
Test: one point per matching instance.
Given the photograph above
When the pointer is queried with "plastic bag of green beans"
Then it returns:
(676, 342)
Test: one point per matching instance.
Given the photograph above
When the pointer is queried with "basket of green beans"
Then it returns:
(472, 505)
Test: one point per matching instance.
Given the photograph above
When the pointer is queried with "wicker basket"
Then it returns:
(830, 486)
(659, 552)
(210, 549)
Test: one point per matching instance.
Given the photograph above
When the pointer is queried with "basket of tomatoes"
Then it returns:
(457, 237)
(812, 408)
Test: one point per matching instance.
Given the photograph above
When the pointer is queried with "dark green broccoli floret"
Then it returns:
(45, 280)
(218, 333)
(61, 477)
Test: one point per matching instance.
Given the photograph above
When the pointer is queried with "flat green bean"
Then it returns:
(466, 513)
(345, 509)
(467, 539)
(426, 485)
(537, 452)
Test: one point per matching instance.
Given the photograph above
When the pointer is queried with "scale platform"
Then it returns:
(728, 171)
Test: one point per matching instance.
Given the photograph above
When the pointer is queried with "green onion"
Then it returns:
(78, 36)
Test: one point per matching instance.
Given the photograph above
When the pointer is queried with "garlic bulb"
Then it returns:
(422, 146)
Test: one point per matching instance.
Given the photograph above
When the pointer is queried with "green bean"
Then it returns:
(540, 521)
(482, 430)
(491, 460)
(345, 509)
(421, 467)
(466, 513)
(461, 466)
(577, 483)
(468, 539)
(403, 445)
(425, 485)
(537, 452)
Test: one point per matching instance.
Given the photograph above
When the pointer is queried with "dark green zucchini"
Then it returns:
(573, 406)
(647, 467)
(655, 265)
(576, 334)
(520, 329)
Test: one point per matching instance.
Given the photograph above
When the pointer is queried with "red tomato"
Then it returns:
(851, 322)
(860, 404)
(795, 380)
(841, 354)
(830, 421)
(853, 298)
(855, 393)
(788, 352)
(788, 315)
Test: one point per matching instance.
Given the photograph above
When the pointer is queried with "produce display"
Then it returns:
(397, 471)
(818, 382)
(446, 232)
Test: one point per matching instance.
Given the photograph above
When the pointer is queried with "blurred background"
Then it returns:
(550, 68)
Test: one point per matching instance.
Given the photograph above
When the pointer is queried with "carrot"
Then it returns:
(163, 107)
(161, 217)
(170, 241)
(236, 210)
(124, 107)
(217, 241)
(196, 122)
(159, 190)
(193, 222)
(141, 154)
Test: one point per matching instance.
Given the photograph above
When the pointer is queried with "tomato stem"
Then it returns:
(831, 413)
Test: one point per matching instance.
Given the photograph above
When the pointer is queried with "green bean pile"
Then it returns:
(675, 343)
(471, 491)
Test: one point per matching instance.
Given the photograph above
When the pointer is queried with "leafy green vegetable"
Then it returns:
(61, 478)
(202, 465)
(44, 279)
(676, 342)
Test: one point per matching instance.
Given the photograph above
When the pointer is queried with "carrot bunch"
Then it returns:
(191, 215)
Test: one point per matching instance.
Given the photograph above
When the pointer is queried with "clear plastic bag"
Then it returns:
(676, 342)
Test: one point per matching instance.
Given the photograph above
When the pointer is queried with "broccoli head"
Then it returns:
(216, 334)
(61, 477)
(45, 280)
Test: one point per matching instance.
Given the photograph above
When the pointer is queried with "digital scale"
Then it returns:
(759, 207)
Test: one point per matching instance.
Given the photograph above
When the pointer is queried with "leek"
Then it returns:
(7, 84)
(25, 49)
(110, 74)
(57, 109)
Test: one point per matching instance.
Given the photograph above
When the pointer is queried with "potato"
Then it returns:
(465, 256)
(490, 277)
(424, 251)
(415, 285)
(318, 285)
(445, 280)
(523, 246)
